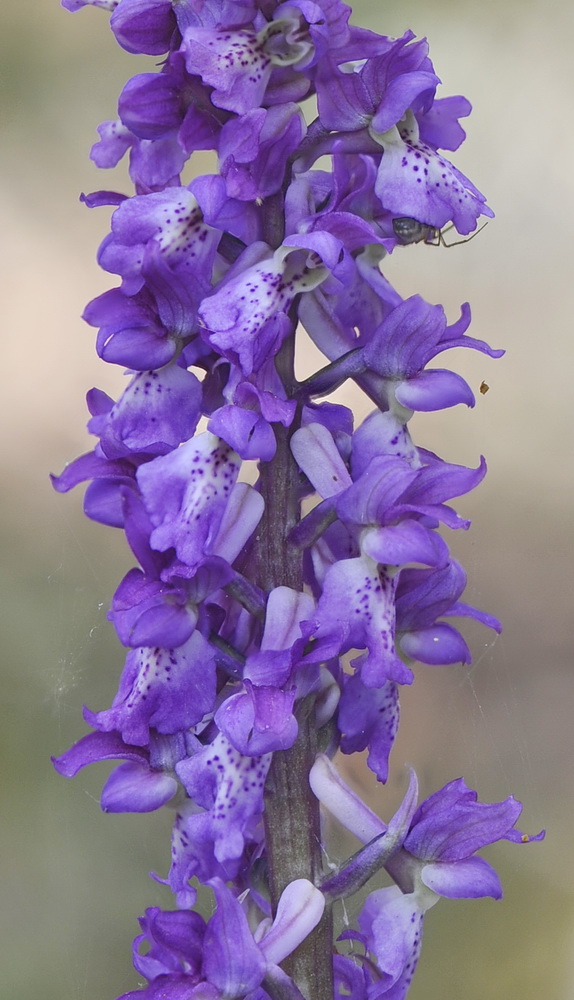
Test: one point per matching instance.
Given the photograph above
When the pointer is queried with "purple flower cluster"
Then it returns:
(276, 614)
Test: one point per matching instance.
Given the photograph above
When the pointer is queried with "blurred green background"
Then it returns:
(75, 880)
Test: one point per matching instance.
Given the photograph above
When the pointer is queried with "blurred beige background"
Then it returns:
(75, 880)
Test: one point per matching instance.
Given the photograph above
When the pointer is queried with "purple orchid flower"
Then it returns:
(145, 781)
(432, 857)
(221, 958)
(289, 567)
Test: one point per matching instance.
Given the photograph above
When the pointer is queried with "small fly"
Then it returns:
(411, 231)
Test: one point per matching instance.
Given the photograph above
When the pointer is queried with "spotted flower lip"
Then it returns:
(246, 319)
(414, 180)
(229, 785)
(157, 411)
(169, 690)
(236, 64)
(292, 571)
(239, 64)
(168, 224)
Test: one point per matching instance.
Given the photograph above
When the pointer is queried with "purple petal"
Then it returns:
(328, 786)
(231, 786)
(231, 960)
(155, 413)
(359, 595)
(246, 432)
(392, 924)
(434, 389)
(469, 879)
(258, 720)
(232, 62)
(317, 456)
(167, 689)
(242, 514)
(299, 910)
(148, 613)
(406, 542)
(185, 494)
(451, 825)
(438, 645)
(439, 126)
(414, 180)
(369, 718)
(144, 26)
(134, 788)
(96, 747)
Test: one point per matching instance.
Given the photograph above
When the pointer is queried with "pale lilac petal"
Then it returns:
(332, 792)
(134, 788)
(316, 454)
(434, 389)
(468, 879)
(299, 910)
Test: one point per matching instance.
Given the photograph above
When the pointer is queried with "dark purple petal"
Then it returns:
(350, 980)
(93, 466)
(175, 938)
(130, 330)
(144, 25)
(369, 717)
(254, 149)
(424, 595)
(151, 104)
(451, 825)
(148, 613)
(231, 959)
(96, 747)
(103, 501)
